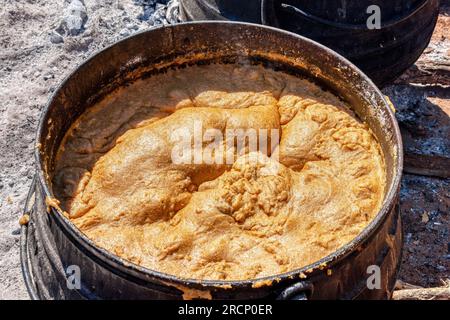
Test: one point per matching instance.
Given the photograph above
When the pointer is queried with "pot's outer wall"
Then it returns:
(51, 243)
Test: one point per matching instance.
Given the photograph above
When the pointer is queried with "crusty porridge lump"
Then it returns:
(258, 216)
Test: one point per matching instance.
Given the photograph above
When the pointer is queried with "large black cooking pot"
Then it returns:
(51, 245)
(383, 54)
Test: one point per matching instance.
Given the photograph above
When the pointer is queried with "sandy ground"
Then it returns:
(31, 66)
(41, 41)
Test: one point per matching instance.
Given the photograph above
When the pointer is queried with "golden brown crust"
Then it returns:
(254, 217)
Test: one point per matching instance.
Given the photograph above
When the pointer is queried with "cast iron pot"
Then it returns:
(52, 248)
(383, 54)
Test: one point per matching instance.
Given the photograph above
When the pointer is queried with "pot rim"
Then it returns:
(113, 262)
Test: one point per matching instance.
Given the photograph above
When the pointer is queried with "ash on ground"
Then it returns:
(41, 42)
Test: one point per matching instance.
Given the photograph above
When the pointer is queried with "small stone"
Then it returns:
(56, 38)
(75, 16)
(48, 76)
(132, 26)
(408, 237)
(74, 24)
(124, 33)
(425, 217)
(441, 268)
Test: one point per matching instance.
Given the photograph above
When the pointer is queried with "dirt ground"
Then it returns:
(42, 41)
(422, 99)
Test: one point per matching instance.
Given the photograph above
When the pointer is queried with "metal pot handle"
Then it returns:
(297, 291)
(268, 15)
(268, 9)
(26, 270)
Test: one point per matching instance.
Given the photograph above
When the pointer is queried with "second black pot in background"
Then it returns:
(383, 54)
